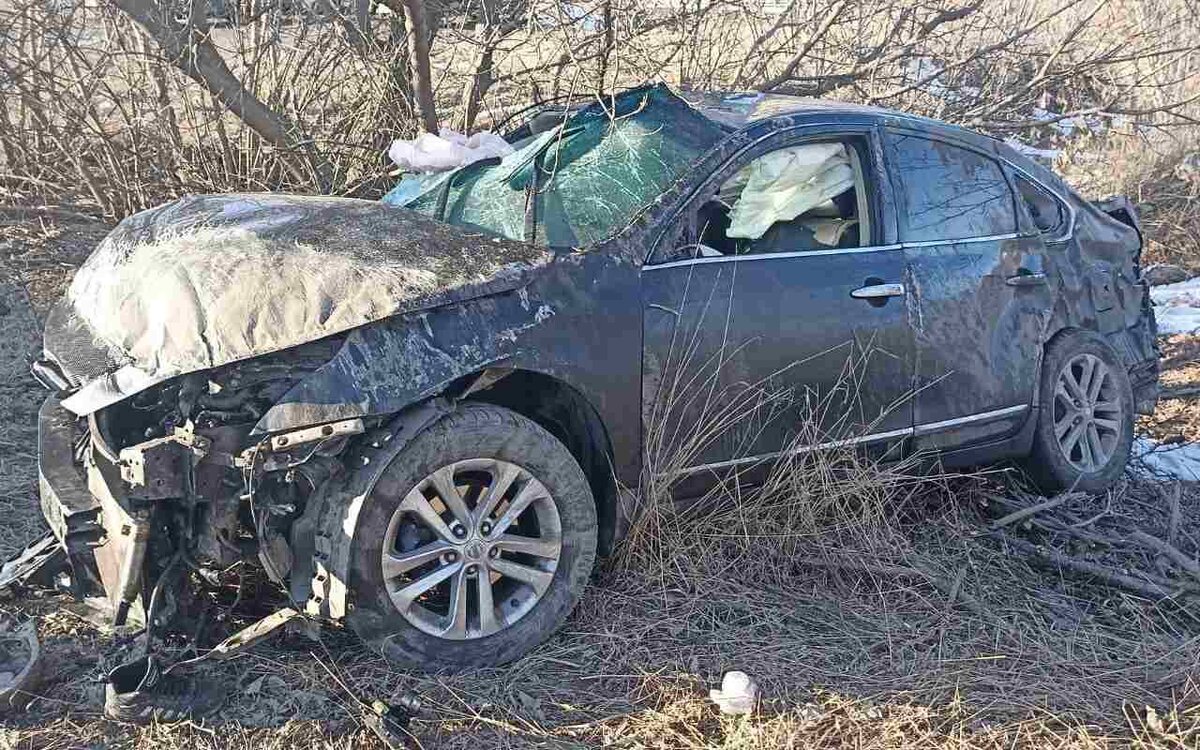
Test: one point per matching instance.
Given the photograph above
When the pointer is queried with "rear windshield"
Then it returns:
(594, 172)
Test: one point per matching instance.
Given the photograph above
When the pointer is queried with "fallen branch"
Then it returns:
(1167, 550)
(1032, 510)
(1148, 588)
(1173, 521)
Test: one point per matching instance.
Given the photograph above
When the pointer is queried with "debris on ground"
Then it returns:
(20, 662)
(389, 722)
(1148, 547)
(738, 694)
(1161, 274)
(139, 692)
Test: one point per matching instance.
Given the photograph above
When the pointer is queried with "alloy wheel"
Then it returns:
(471, 549)
(1087, 413)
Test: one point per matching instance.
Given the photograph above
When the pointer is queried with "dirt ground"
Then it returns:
(935, 634)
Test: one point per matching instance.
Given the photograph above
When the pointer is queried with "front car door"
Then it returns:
(978, 291)
(774, 320)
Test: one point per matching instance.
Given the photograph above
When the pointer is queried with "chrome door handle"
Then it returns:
(878, 291)
(1026, 279)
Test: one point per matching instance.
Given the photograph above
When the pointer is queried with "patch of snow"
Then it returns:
(1033, 152)
(917, 69)
(1180, 461)
(1177, 307)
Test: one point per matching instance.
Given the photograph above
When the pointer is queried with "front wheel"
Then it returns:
(475, 543)
(1085, 417)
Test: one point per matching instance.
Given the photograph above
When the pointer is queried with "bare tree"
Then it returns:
(416, 16)
(186, 43)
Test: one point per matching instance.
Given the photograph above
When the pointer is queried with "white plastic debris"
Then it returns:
(737, 695)
(447, 150)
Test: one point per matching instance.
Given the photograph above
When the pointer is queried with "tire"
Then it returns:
(480, 443)
(1059, 465)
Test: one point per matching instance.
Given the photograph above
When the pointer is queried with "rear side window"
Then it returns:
(1046, 212)
(948, 193)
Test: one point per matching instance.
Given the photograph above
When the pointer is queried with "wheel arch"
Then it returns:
(564, 412)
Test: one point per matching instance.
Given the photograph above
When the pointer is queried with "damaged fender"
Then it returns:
(323, 538)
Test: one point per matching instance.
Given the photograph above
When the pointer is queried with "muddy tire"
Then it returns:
(1085, 416)
(484, 506)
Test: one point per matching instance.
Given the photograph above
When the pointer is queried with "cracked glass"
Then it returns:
(579, 182)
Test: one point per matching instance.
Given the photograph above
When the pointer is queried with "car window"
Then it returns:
(594, 173)
(948, 193)
(800, 198)
(1046, 212)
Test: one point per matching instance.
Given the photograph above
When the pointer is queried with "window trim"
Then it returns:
(790, 136)
(1069, 210)
(703, 260)
(897, 189)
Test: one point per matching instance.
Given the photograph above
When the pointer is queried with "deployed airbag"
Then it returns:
(784, 184)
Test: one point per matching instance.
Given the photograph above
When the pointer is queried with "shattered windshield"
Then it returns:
(578, 182)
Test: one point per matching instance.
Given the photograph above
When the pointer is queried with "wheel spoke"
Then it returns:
(539, 547)
(487, 605)
(1063, 425)
(525, 496)
(1068, 379)
(1110, 425)
(443, 482)
(538, 579)
(1099, 375)
(1068, 445)
(1088, 374)
(416, 503)
(404, 598)
(396, 564)
(501, 481)
(456, 615)
(1108, 407)
(1085, 449)
(1097, 448)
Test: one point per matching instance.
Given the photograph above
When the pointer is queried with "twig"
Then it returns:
(1173, 522)
(1031, 510)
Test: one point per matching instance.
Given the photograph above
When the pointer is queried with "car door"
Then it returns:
(779, 343)
(979, 294)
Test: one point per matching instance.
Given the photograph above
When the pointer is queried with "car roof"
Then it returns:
(738, 110)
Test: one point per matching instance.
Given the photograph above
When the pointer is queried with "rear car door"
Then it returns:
(766, 332)
(979, 295)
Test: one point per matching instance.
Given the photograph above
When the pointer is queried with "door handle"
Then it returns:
(1026, 278)
(878, 291)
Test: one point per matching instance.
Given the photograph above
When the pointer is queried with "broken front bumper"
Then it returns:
(84, 502)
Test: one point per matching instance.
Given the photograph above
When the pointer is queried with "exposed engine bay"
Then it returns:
(177, 474)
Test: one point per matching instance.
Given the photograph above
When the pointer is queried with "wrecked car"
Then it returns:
(418, 415)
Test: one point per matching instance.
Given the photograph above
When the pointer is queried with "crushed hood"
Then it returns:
(211, 280)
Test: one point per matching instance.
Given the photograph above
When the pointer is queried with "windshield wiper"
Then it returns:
(533, 187)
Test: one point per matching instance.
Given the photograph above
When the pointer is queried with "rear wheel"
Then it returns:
(1085, 419)
(474, 544)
